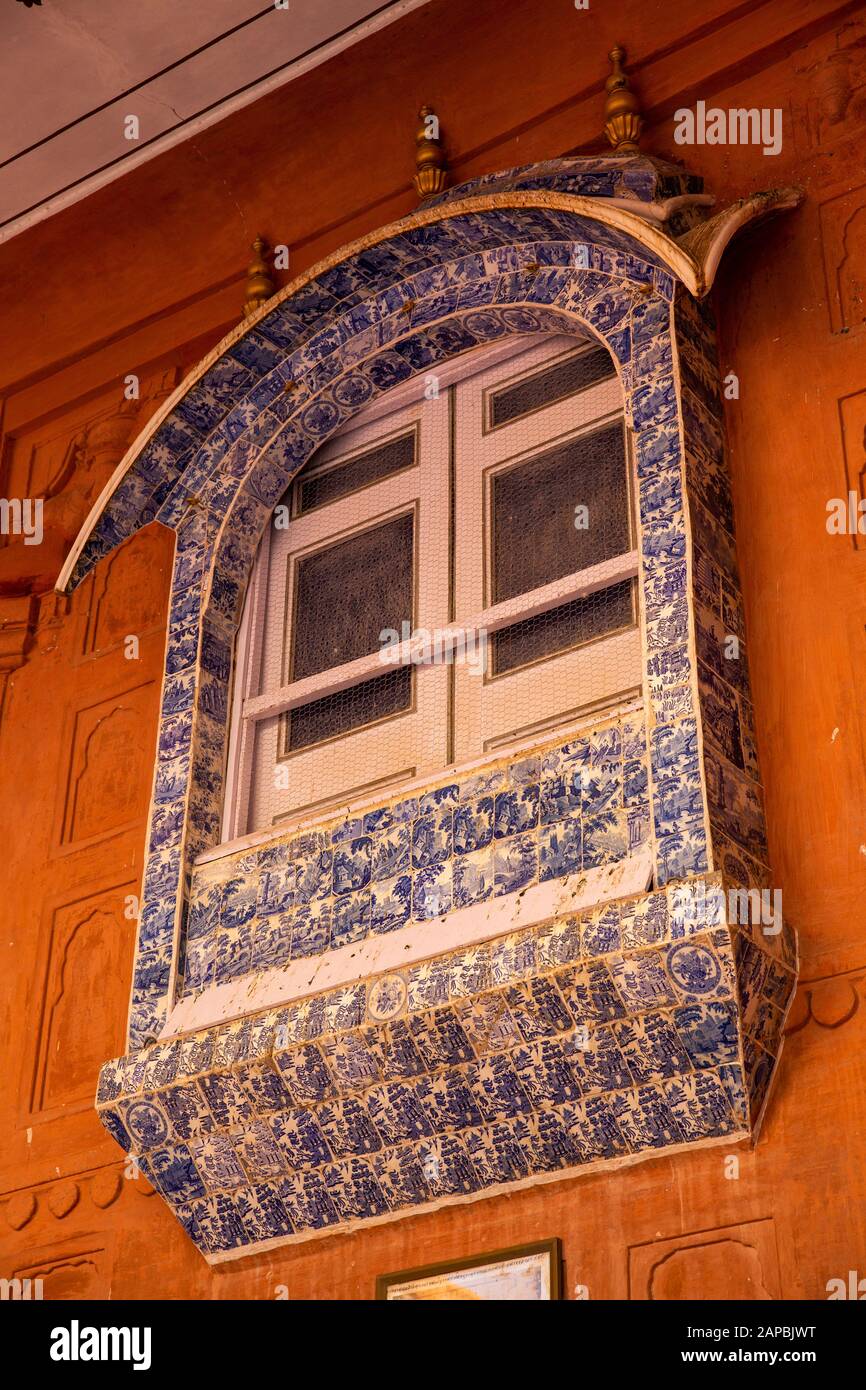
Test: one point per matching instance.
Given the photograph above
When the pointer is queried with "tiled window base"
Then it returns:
(456, 842)
(582, 1042)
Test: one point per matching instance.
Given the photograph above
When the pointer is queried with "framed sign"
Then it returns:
(525, 1273)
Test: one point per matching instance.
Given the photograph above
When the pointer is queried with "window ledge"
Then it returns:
(582, 1044)
(465, 926)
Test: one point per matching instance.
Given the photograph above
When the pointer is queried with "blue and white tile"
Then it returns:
(488, 1023)
(709, 1033)
(307, 1201)
(354, 1059)
(262, 1212)
(390, 903)
(311, 929)
(516, 810)
(561, 795)
(545, 1072)
(496, 1087)
(431, 892)
(399, 1175)
(495, 1153)
(440, 1039)
(391, 852)
(645, 1119)
(432, 838)
(258, 1151)
(446, 1167)
(512, 958)
(515, 862)
(560, 849)
(348, 1128)
(652, 1047)
(227, 1099)
(593, 1126)
(695, 971)
(558, 943)
(473, 825)
(538, 1009)
(473, 878)
(352, 861)
(397, 1112)
(216, 1162)
(313, 882)
(600, 931)
(428, 983)
(447, 1099)
(590, 993)
(304, 1071)
(597, 1061)
(700, 1106)
(351, 919)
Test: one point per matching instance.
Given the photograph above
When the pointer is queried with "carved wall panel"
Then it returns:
(729, 1262)
(77, 1272)
(843, 244)
(128, 597)
(829, 107)
(90, 941)
(108, 766)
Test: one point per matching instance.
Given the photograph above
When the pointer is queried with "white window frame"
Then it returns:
(248, 710)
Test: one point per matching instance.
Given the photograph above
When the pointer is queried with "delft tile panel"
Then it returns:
(730, 763)
(216, 467)
(439, 850)
(636, 177)
(638, 1027)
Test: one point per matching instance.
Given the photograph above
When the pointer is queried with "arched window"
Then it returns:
(449, 576)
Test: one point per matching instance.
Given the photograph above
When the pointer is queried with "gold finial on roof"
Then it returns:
(622, 118)
(429, 155)
(260, 286)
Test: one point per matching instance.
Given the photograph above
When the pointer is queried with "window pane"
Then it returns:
(327, 485)
(346, 593)
(348, 709)
(575, 373)
(564, 627)
(538, 536)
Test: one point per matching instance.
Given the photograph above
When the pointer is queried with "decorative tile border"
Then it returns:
(588, 1041)
(730, 755)
(639, 179)
(567, 808)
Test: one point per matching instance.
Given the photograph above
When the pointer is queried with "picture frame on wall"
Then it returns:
(524, 1273)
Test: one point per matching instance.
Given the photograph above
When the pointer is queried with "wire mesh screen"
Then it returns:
(346, 593)
(316, 487)
(574, 373)
(568, 625)
(559, 512)
(336, 714)
(562, 511)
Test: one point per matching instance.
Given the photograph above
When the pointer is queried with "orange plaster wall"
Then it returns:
(143, 277)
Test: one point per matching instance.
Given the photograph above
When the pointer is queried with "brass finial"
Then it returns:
(429, 155)
(623, 120)
(260, 286)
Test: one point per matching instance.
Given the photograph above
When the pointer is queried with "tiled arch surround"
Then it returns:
(688, 1052)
